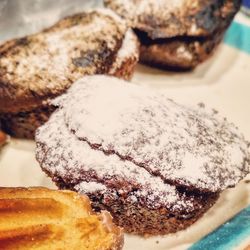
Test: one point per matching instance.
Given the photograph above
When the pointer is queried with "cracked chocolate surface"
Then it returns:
(139, 142)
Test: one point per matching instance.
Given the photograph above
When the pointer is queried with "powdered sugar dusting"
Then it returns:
(112, 14)
(179, 144)
(90, 187)
(152, 7)
(134, 9)
(182, 52)
(51, 60)
(152, 16)
(61, 154)
(174, 18)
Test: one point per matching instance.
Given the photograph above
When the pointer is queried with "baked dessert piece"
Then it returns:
(39, 67)
(177, 34)
(177, 54)
(156, 165)
(3, 138)
(39, 218)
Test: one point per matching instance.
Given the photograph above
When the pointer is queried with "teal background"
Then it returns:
(228, 236)
(238, 36)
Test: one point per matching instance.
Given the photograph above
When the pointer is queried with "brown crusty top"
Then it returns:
(129, 137)
(170, 18)
(41, 66)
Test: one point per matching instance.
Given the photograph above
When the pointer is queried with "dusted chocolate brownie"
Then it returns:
(37, 68)
(156, 165)
(177, 34)
(177, 54)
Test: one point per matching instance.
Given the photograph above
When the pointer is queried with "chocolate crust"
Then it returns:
(138, 218)
(127, 57)
(179, 53)
(179, 34)
(24, 124)
(126, 70)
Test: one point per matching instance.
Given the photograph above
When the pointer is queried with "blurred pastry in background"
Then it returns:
(37, 68)
(3, 138)
(157, 166)
(39, 218)
(177, 35)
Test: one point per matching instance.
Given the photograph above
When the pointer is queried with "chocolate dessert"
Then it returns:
(179, 34)
(37, 68)
(156, 165)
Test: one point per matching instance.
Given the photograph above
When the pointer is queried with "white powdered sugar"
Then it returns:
(111, 13)
(133, 9)
(90, 187)
(152, 16)
(61, 154)
(152, 7)
(180, 145)
(174, 18)
(184, 53)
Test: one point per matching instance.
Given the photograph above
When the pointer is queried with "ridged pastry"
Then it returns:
(39, 218)
(156, 165)
(37, 68)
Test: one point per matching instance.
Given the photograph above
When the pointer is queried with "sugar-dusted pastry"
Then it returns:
(39, 67)
(39, 218)
(177, 34)
(156, 165)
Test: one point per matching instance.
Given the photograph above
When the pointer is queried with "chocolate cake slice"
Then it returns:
(156, 165)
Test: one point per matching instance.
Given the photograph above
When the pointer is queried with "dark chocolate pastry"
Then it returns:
(156, 165)
(39, 67)
(177, 34)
